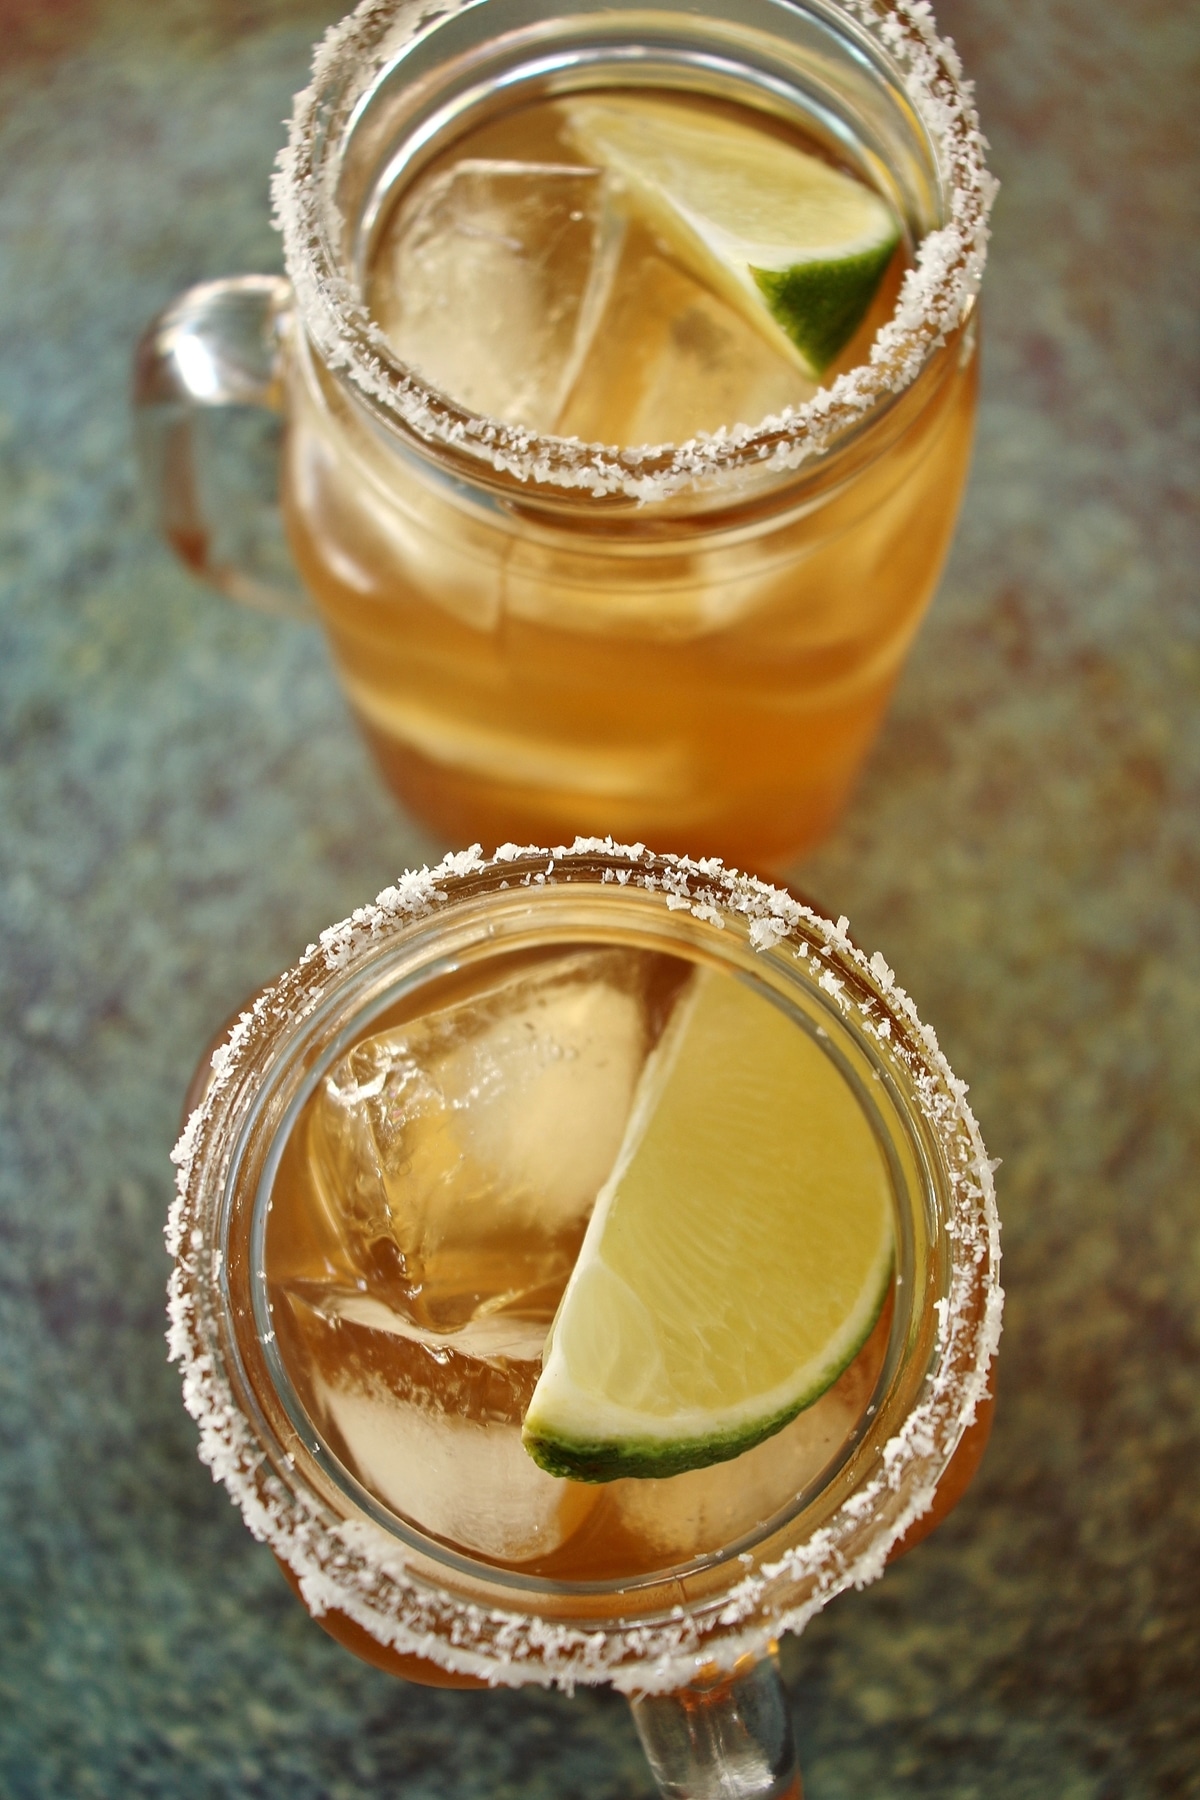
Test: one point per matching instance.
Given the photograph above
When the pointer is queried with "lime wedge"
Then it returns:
(795, 246)
(737, 1257)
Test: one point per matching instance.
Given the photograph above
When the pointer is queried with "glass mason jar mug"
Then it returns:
(411, 1521)
(688, 643)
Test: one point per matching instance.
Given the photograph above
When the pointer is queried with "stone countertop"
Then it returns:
(185, 803)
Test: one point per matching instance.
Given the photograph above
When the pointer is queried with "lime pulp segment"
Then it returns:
(737, 1257)
(798, 247)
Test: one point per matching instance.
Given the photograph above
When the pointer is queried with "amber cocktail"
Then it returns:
(396, 1170)
(596, 543)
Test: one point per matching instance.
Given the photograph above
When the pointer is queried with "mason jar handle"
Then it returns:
(728, 1736)
(206, 368)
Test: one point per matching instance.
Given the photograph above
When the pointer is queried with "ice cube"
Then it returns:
(669, 358)
(490, 279)
(470, 1484)
(458, 1157)
(431, 1430)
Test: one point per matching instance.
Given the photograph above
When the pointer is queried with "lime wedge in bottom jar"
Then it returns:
(737, 1257)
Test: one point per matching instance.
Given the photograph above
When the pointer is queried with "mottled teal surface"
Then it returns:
(185, 803)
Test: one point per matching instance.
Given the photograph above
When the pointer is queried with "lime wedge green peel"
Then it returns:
(737, 1257)
(794, 245)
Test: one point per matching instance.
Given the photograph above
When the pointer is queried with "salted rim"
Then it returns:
(934, 298)
(355, 1566)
